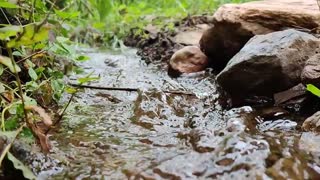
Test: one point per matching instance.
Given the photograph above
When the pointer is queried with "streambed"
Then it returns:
(153, 134)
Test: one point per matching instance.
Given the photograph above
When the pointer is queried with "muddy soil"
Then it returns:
(158, 44)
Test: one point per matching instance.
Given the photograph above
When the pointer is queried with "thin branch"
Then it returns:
(127, 89)
(31, 55)
(7, 148)
(61, 114)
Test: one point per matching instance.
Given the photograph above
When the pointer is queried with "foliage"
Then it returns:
(108, 21)
(313, 89)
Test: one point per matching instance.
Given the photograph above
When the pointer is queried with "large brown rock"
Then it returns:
(311, 71)
(190, 37)
(235, 24)
(268, 64)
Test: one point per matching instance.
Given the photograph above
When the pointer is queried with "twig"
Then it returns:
(127, 89)
(7, 148)
(61, 114)
(31, 55)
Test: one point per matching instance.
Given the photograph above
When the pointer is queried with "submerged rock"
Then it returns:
(235, 24)
(187, 60)
(310, 142)
(268, 64)
(311, 71)
(312, 123)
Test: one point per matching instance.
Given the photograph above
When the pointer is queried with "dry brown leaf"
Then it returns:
(43, 139)
(46, 119)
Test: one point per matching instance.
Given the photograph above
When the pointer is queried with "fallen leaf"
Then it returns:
(46, 119)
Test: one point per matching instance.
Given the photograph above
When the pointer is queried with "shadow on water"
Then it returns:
(150, 134)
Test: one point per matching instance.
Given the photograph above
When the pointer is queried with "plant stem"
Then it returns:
(19, 85)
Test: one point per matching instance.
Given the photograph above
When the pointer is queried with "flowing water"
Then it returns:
(154, 134)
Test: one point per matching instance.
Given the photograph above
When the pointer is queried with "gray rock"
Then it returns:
(268, 64)
(311, 71)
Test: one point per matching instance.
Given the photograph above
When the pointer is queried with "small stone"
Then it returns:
(188, 60)
(287, 95)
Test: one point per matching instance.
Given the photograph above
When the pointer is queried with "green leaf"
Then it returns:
(58, 87)
(82, 58)
(1, 69)
(7, 62)
(70, 90)
(32, 74)
(17, 53)
(104, 8)
(30, 35)
(9, 31)
(87, 79)
(5, 4)
(2, 88)
(11, 124)
(313, 89)
(27, 173)
(29, 101)
(67, 15)
(26, 132)
(32, 85)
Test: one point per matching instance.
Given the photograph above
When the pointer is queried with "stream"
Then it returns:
(154, 134)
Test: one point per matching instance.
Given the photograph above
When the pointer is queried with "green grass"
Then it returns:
(115, 18)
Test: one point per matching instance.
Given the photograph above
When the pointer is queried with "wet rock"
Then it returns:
(268, 64)
(311, 71)
(290, 166)
(190, 37)
(312, 123)
(292, 93)
(235, 24)
(221, 47)
(310, 142)
(188, 59)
